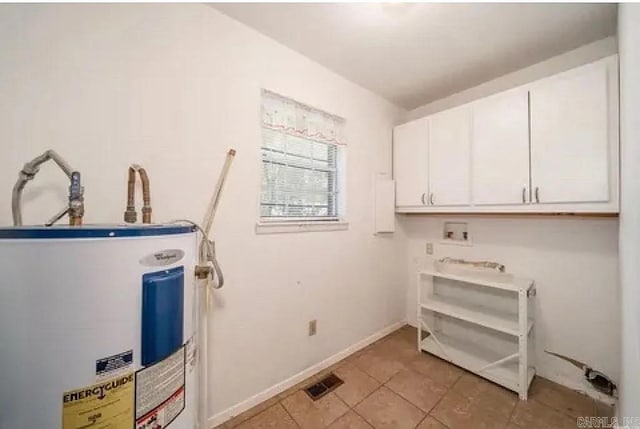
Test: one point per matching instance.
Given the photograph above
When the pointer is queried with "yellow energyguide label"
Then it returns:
(106, 405)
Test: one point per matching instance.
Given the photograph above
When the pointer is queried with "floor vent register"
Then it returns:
(324, 386)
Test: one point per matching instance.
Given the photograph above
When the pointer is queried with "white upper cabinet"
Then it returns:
(570, 126)
(550, 146)
(500, 149)
(449, 157)
(410, 160)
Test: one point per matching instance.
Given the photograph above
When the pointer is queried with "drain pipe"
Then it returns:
(75, 207)
(208, 276)
(130, 215)
(207, 271)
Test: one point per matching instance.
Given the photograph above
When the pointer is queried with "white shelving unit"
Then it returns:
(509, 366)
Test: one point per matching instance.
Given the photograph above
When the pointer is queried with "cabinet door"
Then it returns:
(569, 136)
(500, 149)
(449, 153)
(410, 161)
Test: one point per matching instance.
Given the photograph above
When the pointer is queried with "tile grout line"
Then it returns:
(436, 419)
(513, 410)
(449, 389)
(363, 399)
(362, 417)
(366, 396)
(341, 400)
(385, 384)
(409, 400)
(289, 414)
(369, 395)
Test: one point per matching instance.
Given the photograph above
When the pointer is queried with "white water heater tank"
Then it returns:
(97, 327)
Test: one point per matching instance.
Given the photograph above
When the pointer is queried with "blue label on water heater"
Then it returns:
(162, 314)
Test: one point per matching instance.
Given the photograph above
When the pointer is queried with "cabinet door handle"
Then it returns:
(431, 198)
(537, 194)
(524, 192)
(422, 198)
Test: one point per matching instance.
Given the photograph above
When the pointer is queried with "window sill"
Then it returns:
(301, 226)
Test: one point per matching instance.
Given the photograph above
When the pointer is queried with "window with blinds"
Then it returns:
(300, 161)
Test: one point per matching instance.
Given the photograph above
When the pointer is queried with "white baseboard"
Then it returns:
(272, 391)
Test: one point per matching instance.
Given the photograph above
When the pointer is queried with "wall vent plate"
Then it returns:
(324, 386)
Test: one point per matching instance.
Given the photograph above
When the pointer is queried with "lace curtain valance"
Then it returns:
(288, 116)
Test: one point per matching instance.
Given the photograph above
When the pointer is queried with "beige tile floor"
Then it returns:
(390, 385)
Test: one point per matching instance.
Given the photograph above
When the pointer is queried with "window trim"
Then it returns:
(300, 225)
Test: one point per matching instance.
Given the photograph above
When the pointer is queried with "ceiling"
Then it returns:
(414, 53)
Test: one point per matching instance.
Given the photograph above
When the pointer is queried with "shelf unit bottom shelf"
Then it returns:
(472, 358)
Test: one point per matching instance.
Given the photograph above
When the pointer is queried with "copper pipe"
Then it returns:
(146, 196)
(130, 214)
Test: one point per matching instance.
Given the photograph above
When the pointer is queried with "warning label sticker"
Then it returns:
(106, 405)
(160, 417)
(111, 366)
(160, 392)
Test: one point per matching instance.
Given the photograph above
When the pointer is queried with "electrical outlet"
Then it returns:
(429, 248)
(313, 327)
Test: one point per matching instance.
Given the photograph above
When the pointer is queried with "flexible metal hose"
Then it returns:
(130, 214)
(27, 173)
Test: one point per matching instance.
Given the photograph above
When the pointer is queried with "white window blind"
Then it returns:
(300, 160)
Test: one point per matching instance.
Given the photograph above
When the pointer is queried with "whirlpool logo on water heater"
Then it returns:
(162, 257)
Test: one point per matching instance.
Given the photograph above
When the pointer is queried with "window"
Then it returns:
(300, 161)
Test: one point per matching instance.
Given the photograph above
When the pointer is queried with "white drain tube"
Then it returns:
(208, 277)
(203, 353)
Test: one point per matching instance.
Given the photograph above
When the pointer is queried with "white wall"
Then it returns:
(573, 261)
(629, 36)
(172, 87)
(582, 55)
